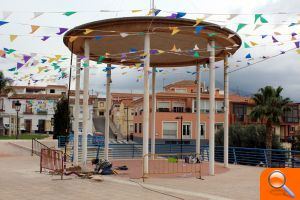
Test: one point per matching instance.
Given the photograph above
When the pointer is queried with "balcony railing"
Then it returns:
(28, 112)
(42, 112)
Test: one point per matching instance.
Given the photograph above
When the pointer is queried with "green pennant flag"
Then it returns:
(196, 55)
(100, 59)
(263, 20)
(69, 13)
(9, 51)
(246, 45)
(257, 16)
(240, 26)
(85, 65)
(212, 34)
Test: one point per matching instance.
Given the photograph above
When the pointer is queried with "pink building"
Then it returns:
(179, 99)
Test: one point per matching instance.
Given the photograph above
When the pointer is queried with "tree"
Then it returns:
(5, 84)
(61, 118)
(269, 108)
(248, 136)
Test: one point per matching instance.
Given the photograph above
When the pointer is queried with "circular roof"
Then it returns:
(121, 41)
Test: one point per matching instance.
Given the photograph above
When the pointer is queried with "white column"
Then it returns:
(198, 121)
(76, 111)
(107, 111)
(226, 110)
(212, 108)
(153, 111)
(85, 104)
(146, 103)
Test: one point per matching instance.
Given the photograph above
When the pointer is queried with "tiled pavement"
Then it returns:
(20, 180)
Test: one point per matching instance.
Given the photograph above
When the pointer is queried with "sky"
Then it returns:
(283, 70)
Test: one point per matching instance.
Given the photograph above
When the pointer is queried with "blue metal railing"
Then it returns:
(94, 140)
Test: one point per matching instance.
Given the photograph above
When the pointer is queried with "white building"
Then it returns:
(37, 109)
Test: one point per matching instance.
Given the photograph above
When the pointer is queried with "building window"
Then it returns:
(101, 104)
(163, 106)
(178, 107)
(239, 110)
(219, 106)
(131, 127)
(140, 127)
(186, 130)
(135, 127)
(292, 115)
(170, 130)
(202, 131)
(28, 108)
(204, 106)
(52, 91)
(101, 113)
(13, 104)
(180, 90)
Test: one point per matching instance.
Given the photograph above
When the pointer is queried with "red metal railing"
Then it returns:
(52, 160)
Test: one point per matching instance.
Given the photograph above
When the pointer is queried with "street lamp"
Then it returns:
(181, 119)
(18, 108)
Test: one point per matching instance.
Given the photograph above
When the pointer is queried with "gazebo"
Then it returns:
(152, 42)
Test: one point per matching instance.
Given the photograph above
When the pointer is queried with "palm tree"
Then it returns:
(269, 108)
(5, 84)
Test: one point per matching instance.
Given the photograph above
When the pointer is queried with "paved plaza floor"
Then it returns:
(20, 180)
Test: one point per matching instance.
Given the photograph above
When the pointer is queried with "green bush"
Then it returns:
(249, 136)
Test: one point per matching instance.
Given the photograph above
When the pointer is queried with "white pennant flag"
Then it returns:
(257, 26)
(124, 34)
(231, 35)
(232, 16)
(6, 14)
(196, 47)
(37, 14)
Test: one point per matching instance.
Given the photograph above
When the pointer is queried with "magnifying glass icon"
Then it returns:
(277, 180)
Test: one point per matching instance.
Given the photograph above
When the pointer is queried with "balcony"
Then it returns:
(175, 109)
(28, 112)
(42, 112)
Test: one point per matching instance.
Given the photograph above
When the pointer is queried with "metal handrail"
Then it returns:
(34, 144)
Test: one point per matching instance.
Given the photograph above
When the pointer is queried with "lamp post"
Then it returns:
(181, 119)
(18, 108)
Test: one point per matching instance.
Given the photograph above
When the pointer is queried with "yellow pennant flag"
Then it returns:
(160, 51)
(277, 33)
(174, 49)
(123, 73)
(57, 57)
(174, 30)
(72, 38)
(298, 51)
(198, 21)
(135, 11)
(34, 28)
(51, 60)
(12, 37)
(253, 43)
(87, 31)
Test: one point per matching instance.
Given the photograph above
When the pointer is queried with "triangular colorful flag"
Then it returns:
(232, 16)
(297, 44)
(180, 15)
(253, 43)
(135, 11)
(26, 58)
(198, 29)
(100, 59)
(2, 23)
(87, 31)
(174, 30)
(257, 26)
(123, 35)
(274, 39)
(196, 54)
(246, 45)
(263, 20)
(12, 69)
(196, 48)
(256, 17)
(248, 56)
(19, 65)
(156, 11)
(61, 31)
(37, 14)
(72, 38)
(240, 26)
(174, 49)
(13, 37)
(298, 51)
(198, 21)
(263, 36)
(34, 28)
(44, 38)
(69, 13)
